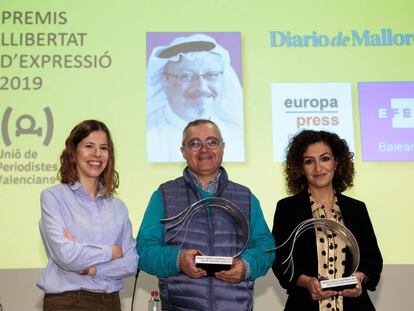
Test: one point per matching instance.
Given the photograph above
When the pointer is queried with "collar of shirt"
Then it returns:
(78, 187)
(211, 186)
(319, 210)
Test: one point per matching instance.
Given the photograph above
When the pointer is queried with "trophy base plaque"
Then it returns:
(339, 284)
(212, 264)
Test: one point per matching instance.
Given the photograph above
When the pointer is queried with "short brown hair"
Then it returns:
(293, 166)
(68, 173)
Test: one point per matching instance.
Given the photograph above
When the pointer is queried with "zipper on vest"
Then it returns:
(209, 212)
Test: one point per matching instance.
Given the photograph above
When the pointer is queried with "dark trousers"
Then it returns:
(82, 300)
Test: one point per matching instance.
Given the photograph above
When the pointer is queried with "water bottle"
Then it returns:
(154, 304)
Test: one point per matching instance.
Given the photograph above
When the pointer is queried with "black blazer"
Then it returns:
(293, 210)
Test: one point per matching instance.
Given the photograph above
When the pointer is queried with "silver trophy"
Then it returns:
(343, 233)
(210, 264)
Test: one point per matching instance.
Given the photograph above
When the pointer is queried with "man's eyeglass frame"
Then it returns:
(210, 76)
(196, 144)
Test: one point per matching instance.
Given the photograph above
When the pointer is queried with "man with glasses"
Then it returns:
(191, 78)
(183, 285)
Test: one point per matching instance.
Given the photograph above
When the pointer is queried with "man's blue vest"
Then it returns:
(214, 233)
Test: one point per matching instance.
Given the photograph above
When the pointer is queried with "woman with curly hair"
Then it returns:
(86, 231)
(318, 168)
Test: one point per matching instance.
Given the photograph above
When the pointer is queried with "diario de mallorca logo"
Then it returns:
(354, 38)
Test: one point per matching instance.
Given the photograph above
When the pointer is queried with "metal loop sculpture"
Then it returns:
(184, 218)
(327, 224)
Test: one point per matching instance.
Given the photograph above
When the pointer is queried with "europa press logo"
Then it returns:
(310, 105)
(387, 120)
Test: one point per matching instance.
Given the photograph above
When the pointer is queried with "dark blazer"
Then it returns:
(293, 210)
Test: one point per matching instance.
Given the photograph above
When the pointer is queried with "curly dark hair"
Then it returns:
(293, 166)
(68, 173)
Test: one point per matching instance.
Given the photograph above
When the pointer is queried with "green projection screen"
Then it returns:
(344, 67)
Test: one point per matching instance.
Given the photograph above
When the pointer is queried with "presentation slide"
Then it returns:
(345, 67)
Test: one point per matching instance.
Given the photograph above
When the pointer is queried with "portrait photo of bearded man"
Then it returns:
(189, 78)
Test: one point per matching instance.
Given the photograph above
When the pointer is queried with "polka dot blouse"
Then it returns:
(331, 252)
